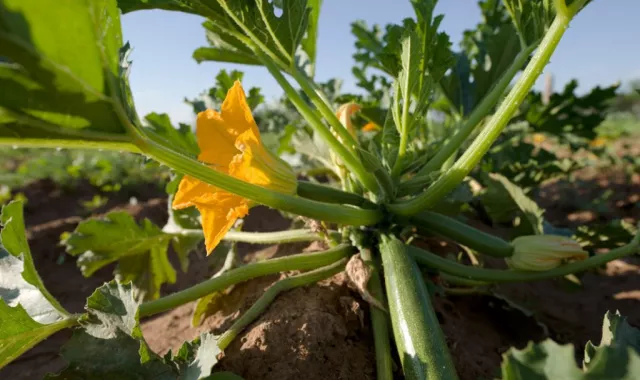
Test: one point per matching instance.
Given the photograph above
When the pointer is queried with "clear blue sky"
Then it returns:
(602, 46)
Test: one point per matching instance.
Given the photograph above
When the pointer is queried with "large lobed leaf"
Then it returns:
(568, 114)
(28, 313)
(110, 344)
(617, 357)
(62, 78)
(287, 29)
(140, 250)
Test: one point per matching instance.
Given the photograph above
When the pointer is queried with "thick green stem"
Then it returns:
(350, 160)
(301, 206)
(463, 234)
(463, 166)
(419, 339)
(270, 295)
(279, 237)
(322, 193)
(495, 275)
(479, 113)
(379, 321)
(123, 146)
(296, 262)
(309, 88)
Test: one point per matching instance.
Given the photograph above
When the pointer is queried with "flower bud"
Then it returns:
(544, 252)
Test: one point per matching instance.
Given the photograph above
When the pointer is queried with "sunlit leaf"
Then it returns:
(64, 77)
(111, 325)
(140, 250)
(616, 357)
(19, 280)
(28, 313)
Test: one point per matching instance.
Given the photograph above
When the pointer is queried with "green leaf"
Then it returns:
(170, 5)
(617, 357)
(568, 115)
(613, 234)
(181, 137)
(487, 52)
(224, 47)
(525, 164)
(531, 18)
(19, 332)
(280, 35)
(506, 202)
(195, 359)
(311, 36)
(28, 312)
(19, 280)
(63, 77)
(110, 344)
(615, 331)
(140, 250)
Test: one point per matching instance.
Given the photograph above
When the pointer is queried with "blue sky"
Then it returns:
(601, 47)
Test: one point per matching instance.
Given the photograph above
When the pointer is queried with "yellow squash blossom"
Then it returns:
(370, 127)
(344, 114)
(230, 143)
(538, 138)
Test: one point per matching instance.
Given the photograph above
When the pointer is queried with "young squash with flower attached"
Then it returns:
(229, 142)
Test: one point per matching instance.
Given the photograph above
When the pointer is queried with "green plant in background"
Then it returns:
(439, 113)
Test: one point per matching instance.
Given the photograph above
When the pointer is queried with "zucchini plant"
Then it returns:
(65, 86)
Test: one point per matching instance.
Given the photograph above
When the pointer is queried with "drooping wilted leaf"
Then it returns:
(140, 250)
(63, 77)
(617, 357)
(505, 202)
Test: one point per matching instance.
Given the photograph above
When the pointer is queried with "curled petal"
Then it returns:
(219, 216)
(191, 190)
(344, 115)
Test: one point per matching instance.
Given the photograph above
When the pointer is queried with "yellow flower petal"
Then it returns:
(189, 191)
(370, 127)
(236, 112)
(538, 138)
(344, 115)
(230, 142)
(216, 140)
(220, 215)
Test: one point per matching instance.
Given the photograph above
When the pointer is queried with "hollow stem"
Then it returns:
(309, 114)
(496, 275)
(322, 193)
(303, 261)
(463, 166)
(479, 113)
(270, 295)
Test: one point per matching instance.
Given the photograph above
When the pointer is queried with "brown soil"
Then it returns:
(323, 331)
